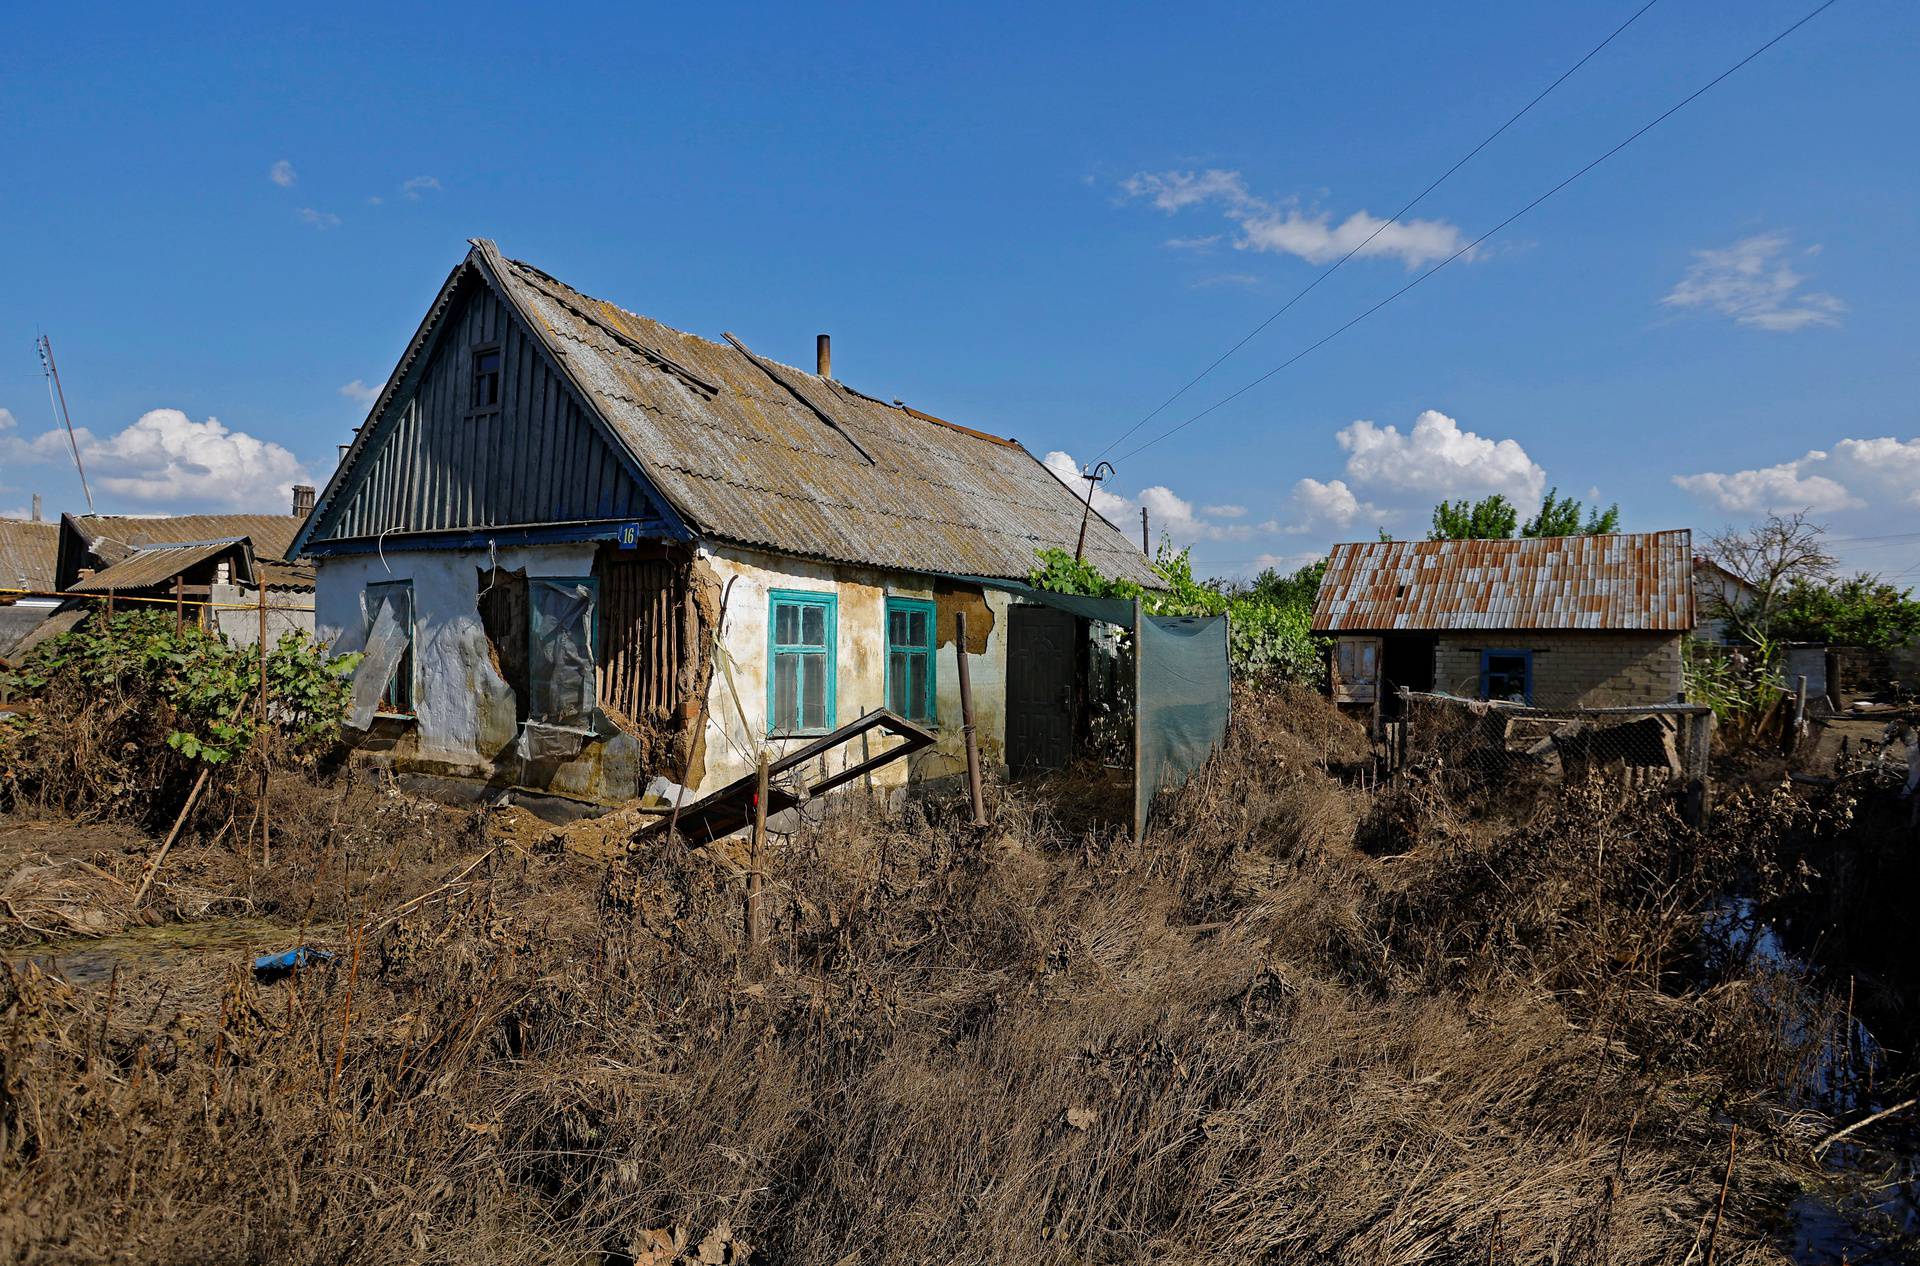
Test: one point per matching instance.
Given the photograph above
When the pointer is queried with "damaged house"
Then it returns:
(1556, 622)
(582, 550)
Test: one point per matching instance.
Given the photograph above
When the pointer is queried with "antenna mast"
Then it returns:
(57, 396)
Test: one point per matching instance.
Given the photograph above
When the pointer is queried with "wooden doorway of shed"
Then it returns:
(1042, 657)
(1406, 661)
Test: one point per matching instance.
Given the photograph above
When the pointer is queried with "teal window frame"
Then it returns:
(397, 697)
(930, 653)
(801, 598)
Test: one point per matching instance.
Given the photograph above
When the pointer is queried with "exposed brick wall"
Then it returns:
(1591, 670)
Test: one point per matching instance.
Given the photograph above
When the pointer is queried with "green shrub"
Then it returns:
(121, 708)
(1270, 620)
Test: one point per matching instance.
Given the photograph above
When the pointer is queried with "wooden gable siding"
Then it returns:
(435, 466)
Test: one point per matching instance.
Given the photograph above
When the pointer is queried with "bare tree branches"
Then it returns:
(1766, 558)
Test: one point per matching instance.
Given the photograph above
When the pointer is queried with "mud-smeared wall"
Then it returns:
(468, 711)
(737, 701)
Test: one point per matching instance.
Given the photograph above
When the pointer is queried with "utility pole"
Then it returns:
(57, 396)
(1093, 478)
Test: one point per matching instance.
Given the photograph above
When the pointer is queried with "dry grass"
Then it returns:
(1243, 1040)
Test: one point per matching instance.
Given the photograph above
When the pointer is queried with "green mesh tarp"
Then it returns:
(1180, 704)
(1182, 686)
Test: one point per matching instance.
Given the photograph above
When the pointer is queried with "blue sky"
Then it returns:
(1038, 220)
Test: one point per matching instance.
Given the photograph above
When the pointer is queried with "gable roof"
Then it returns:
(1638, 581)
(157, 564)
(28, 550)
(756, 453)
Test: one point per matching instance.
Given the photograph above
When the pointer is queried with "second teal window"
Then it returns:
(911, 689)
(800, 687)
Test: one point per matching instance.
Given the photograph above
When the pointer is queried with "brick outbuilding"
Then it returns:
(1558, 622)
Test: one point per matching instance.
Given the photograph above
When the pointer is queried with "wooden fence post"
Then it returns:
(974, 795)
(266, 807)
(755, 932)
(1698, 801)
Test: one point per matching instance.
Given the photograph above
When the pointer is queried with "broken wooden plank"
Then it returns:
(732, 806)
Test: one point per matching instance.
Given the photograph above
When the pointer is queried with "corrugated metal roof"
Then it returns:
(112, 537)
(740, 451)
(28, 550)
(156, 565)
(275, 574)
(1639, 581)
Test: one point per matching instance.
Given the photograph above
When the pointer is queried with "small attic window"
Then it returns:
(484, 396)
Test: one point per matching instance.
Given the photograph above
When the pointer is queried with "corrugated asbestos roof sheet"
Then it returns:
(28, 551)
(1641, 581)
(113, 537)
(747, 459)
(153, 565)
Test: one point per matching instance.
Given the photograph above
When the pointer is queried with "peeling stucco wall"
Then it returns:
(737, 700)
(464, 712)
(465, 724)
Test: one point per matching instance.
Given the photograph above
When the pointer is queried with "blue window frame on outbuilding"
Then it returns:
(1507, 674)
(911, 690)
(801, 633)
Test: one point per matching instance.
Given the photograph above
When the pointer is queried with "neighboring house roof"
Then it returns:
(28, 550)
(24, 627)
(757, 453)
(1639, 581)
(158, 564)
(101, 540)
(1707, 571)
(275, 574)
(112, 537)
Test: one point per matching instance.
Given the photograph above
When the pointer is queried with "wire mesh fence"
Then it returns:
(1486, 742)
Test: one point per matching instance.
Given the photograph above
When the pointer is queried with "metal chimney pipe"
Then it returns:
(823, 354)
(302, 500)
(36, 507)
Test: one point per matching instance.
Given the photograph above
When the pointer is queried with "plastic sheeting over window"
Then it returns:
(1180, 705)
(376, 687)
(560, 667)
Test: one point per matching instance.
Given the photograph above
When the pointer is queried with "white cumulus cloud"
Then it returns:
(1853, 474)
(1285, 228)
(418, 185)
(1753, 282)
(360, 392)
(1168, 513)
(1437, 456)
(282, 174)
(1332, 504)
(318, 219)
(167, 459)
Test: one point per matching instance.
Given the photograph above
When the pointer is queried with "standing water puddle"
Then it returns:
(1823, 1235)
(85, 960)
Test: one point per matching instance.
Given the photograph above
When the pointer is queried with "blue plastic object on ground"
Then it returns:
(290, 960)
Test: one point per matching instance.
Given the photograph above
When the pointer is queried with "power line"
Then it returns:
(1342, 329)
(1384, 226)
